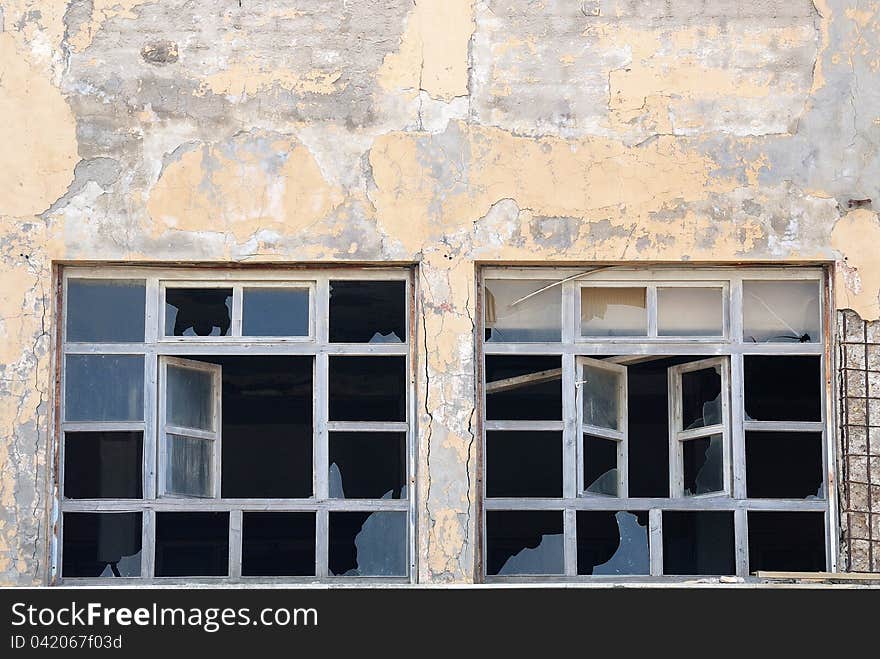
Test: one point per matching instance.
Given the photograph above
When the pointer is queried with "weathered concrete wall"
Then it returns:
(438, 132)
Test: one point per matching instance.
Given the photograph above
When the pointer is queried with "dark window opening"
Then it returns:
(701, 398)
(523, 464)
(600, 465)
(101, 545)
(367, 311)
(703, 468)
(198, 311)
(790, 542)
(783, 388)
(784, 465)
(367, 388)
(365, 544)
(698, 543)
(192, 544)
(612, 543)
(648, 423)
(367, 465)
(103, 465)
(523, 388)
(278, 544)
(524, 542)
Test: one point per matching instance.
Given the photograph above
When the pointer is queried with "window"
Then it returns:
(654, 422)
(235, 425)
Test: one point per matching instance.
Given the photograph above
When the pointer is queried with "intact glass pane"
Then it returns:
(104, 388)
(101, 545)
(198, 311)
(613, 311)
(269, 311)
(703, 468)
(190, 398)
(105, 310)
(701, 398)
(601, 397)
(510, 318)
(600, 465)
(364, 544)
(188, 466)
(781, 311)
(689, 312)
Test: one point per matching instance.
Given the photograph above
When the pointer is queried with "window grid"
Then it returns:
(732, 345)
(156, 345)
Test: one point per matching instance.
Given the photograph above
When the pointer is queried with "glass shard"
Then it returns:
(689, 311)
(273, 311)
(523, 464)
(364, 544)
(612, 543)
(703, 468)
(524, 542)
(192, 544)
(781, 311)
(104, 388)
(367, 388)
(367, 465)
(105, 310)
(198, 311)
(600, 465)
(101, 545)
(510, 318)
(613, 311)
(103, 465)
(278, 544)
(367, 311)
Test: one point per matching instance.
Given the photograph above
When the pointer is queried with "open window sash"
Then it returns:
(602, 428)
(189, 428)
(699, 428)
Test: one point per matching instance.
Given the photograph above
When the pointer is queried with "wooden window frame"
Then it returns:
(156, 346)
(631, 349)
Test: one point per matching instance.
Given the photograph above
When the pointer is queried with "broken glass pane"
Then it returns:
(104, 388)
(510, 318)
(188, 465)
(610, 543)
(613, 311)
(781, 311)
(367, 465)
(523, 464)
(198, 311)
(785, 388)
(698, 542)
(703, 469)
(190, 398)
(278, 544)
(601, 397)
(524, 542)
(701, 398)
(367, 311)
(368, 388)
(364, 544)
(105, 310)
(192, 544)
(689, 311)
(523, 387)
(101, 545)
(787, 542)
(600, 465)
(270, 311)
(784, 465)
(103, 465)
(267, 426)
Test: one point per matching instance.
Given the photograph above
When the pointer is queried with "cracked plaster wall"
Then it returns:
(437, 132)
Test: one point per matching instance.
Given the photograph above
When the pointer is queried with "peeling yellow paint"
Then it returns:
(102, 11)
(247, 79)
(857, 285)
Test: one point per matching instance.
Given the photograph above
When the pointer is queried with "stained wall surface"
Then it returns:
(433, 132)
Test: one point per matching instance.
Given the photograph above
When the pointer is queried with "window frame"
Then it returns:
(632, 349)
(155, 345)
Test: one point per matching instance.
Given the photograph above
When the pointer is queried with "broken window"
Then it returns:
(234, 424)
(638, 437)
(786, 541)
(781, 311)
